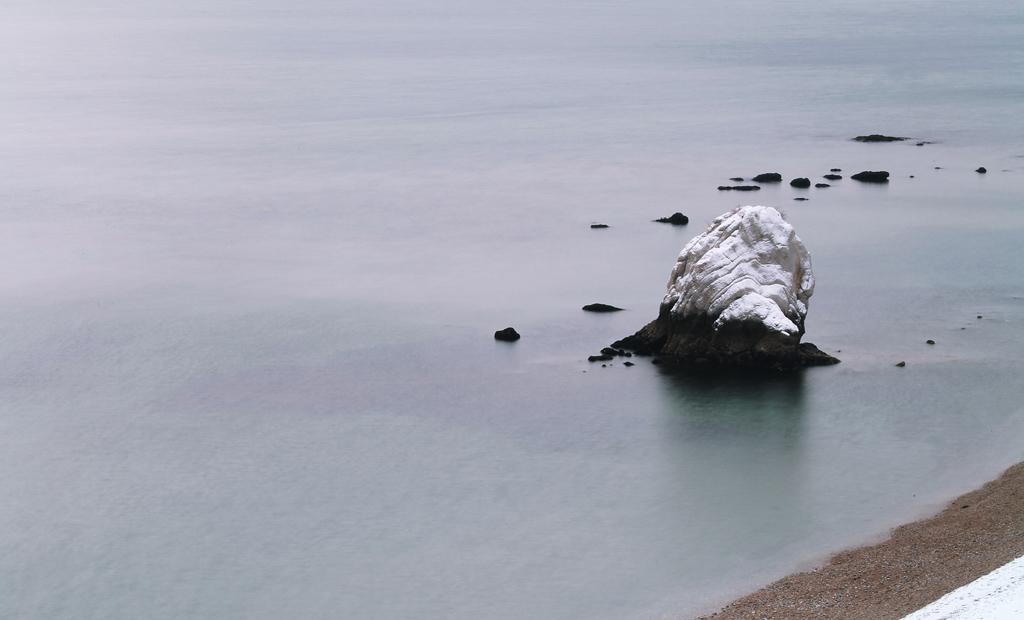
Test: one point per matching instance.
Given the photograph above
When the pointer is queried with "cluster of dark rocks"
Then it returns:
(866, 176)
(775, 177)
(608, 354)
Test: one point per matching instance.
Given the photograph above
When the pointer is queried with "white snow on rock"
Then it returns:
(748, 265)
(998, 595)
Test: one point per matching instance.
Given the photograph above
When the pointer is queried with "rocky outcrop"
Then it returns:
(800, 182)
(737, 296)
(677, 219)
(871, 176)
(768, 177)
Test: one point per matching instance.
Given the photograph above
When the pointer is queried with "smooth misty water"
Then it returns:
(252, 255)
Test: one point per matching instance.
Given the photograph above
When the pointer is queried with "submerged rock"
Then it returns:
(800, 182)
(737, 296)
(768, 177)
(877, 137)
(871, 176)
(833, 177)
(599, 225)
(739, 188)
(677, 219)
(600, 308)
(822, 185)
(981, 170)
(506, 335)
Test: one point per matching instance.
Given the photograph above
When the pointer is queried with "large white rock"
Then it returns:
(748, 266)
(737, 296)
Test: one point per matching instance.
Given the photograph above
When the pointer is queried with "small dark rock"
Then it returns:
(901, 364)
(979, 316)
(599, 225)
(677, 219)
(610, 352)
(656, 361)
(877, 137)
(981, 170)
(871, 176)
(800, 182)
(768, 177)
(599, 358)
(735, 178)
(822, 185)
(833, 177)
(911, 176)
(628, 364)
(801, 198)
(836, 170)
(739, 188)
(929, 341)
(506, 335)
(600, 308)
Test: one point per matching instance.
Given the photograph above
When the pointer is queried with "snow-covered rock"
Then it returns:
(738, 296)
(748, 265)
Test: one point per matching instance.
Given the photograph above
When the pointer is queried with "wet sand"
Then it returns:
(922, 561)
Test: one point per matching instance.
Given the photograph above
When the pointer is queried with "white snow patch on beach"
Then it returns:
(998, 595)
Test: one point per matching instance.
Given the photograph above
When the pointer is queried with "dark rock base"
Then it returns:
(745, 344)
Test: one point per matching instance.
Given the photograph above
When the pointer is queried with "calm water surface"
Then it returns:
(252, 255)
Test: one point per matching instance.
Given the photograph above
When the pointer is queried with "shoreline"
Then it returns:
(919, 563)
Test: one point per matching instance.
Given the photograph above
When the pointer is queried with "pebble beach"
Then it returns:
(921, 562)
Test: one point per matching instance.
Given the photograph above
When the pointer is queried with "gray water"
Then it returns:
(252, 256)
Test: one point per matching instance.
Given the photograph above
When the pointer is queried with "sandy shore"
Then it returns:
(922, 561)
